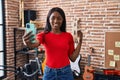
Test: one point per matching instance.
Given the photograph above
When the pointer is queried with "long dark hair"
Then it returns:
(48, 26)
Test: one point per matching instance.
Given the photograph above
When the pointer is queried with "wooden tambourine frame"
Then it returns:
(112, 50)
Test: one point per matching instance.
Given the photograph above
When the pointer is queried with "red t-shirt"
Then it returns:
(57, 48)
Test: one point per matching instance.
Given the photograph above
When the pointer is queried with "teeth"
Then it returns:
(56, 25)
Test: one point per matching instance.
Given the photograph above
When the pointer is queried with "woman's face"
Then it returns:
(56, 21)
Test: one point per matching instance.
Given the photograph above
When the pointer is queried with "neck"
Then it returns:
(56, 31)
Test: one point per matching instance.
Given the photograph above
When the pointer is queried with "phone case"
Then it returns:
(31, 27)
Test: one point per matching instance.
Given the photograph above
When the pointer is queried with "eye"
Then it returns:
(52, 18)
(59, 18)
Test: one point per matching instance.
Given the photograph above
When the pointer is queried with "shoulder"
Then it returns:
(41, 33)
(68, 34)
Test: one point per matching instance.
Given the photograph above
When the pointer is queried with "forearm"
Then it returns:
(76, 52)
(34, 45)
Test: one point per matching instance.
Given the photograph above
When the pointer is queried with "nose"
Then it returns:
(56, 20)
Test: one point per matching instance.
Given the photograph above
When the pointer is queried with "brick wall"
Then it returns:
(96, 17)
(11, 14)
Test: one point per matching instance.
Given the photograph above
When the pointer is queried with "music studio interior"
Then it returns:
(98, 20)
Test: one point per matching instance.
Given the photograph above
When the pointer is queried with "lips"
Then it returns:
(56, 25)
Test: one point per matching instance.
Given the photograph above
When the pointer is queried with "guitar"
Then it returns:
(88, 70)
(75, 66)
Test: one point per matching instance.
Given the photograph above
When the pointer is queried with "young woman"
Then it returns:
(59, 46)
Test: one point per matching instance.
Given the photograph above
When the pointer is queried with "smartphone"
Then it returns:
(31, 27)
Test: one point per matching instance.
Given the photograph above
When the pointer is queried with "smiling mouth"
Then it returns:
(56, 25)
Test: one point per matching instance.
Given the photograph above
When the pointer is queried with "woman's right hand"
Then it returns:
(28, 39)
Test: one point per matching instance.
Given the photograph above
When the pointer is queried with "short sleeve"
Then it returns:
(40, 36)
